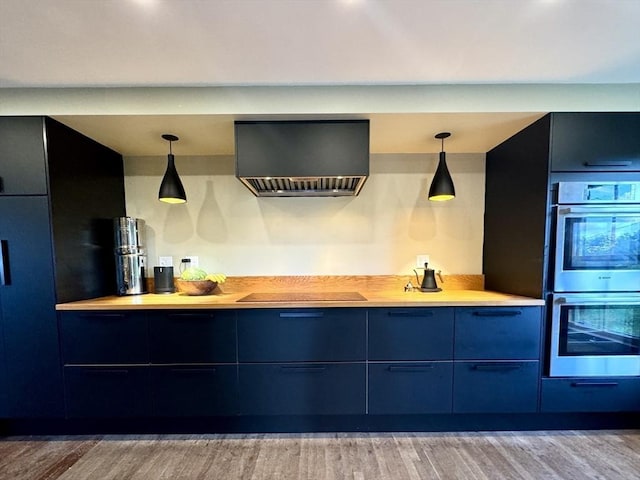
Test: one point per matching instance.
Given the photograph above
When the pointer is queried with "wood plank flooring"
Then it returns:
(579, 455)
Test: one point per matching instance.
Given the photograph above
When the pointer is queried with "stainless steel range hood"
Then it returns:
(308, 158)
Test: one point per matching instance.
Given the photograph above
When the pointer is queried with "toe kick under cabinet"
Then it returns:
(306, 361)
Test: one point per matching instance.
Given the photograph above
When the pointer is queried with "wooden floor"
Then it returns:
(576, 455)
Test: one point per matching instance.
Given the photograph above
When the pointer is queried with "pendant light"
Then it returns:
(442, 185)
(171, 189)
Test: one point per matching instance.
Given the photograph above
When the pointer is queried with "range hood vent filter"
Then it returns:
(314, 158)
(301, 187)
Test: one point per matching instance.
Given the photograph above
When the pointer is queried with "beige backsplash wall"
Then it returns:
(379, 232)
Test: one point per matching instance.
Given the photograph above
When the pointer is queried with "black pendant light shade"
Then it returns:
(442, 185)
(171, 189)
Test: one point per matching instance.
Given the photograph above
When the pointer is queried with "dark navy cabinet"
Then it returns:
(598, 141)
(302, 335)
(22, 156)
(410, 368)
(316, 361)
(610, 394)
(497, 359)
(27, 309)
(106, 358)
(302, 361)
(498, 333)
(4, 385)
(58, 192)
(410, 388)
(411, 334)
(496, 387)
(107, 391)
(194, 390)
(104, 337)
(194, 368)
(207, 336)
(303, 389)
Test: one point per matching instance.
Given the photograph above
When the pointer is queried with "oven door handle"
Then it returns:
(597, 300)
(618, 210)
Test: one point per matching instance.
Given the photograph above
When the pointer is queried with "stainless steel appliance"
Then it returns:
(595, 334)
(130, 255)
(597, 237)
(595, 305)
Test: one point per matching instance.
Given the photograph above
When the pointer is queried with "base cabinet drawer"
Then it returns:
(192, 337)
(410, 334)
(495, 387)
(104, 337)
(107, 391)
(410, 388)
(590, 395)
(302, 335)
(303, 389)
(498, 333)
(182, 391)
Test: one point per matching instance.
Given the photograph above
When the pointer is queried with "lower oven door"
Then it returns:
(595, 334)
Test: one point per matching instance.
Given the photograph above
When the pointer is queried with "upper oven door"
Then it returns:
(597, 249)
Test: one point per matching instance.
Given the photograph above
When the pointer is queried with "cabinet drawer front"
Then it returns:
(107, 391)
(590, 395)
(410, 388)
(22, 160)
(495, 387)
(192, 337)
(497, 333)
(303, 389)
(180, 391)
(104, 337)
(411, 334)
(595, 142)
(301, 335)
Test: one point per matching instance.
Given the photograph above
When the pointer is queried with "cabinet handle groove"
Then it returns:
(103, 316)
(301, 314)
(188, 316)
(497, 313)
(109, 372)
(608, 163)
(5, 273)
(408, 313)
(496, 367)
(593, 384)
(302, 369)
(194, 370)
(1, 185)
(410, 368)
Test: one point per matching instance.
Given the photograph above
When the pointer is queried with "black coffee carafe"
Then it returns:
(428, 283)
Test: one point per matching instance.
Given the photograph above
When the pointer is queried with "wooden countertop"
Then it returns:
(378, 298)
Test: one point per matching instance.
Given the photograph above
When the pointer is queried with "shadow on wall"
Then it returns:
(210, 224)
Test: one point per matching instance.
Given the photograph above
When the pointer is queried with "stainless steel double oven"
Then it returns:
(595, 306)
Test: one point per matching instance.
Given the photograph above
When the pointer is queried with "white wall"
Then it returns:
(378, 232)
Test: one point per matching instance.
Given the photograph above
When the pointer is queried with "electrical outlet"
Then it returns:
(194, 260)
(165, 261)
(421, 260)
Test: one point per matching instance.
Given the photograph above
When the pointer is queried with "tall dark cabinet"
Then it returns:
(59, 191)
(521, 177)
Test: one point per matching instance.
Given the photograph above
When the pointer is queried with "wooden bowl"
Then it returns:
(196, 287)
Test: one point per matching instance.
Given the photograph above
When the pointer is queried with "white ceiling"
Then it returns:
(247, 43)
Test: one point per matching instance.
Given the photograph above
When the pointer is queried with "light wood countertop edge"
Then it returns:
(453, 298)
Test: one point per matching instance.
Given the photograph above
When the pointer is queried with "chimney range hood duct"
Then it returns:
(307, 158)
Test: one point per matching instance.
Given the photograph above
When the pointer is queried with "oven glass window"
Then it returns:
(602, 243)
(599, 330)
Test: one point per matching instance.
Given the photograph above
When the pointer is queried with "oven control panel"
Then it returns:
(598, 192)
